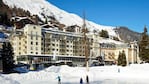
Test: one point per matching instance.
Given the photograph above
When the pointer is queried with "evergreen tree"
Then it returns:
(1, 3)
(7, 57)
(94, 31)
(116, 38)
(144, 46)
(119, 58)
(46, 21)
(4, 20)
(104, 34)
(122, 59)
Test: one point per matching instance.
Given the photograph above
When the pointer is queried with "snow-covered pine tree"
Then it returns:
(104, 34)
(122, 59)
(144, 46)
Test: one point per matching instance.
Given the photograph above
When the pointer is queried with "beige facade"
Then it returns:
(27, 41)
(62, 43)
(35, 40)
(112, 53)
(109, 50)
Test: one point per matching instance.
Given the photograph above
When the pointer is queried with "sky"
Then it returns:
(133, 14)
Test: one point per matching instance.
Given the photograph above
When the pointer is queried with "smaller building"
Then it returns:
(109, 49)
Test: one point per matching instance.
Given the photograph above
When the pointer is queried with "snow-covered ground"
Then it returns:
(133, 74)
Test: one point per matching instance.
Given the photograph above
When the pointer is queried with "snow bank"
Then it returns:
(54, 69)
(6, 80)
(132, 74)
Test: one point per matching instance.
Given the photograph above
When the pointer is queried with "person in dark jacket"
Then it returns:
(81, 81)
(87, 80)
(59, 79)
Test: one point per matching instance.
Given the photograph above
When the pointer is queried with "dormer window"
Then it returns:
(129, 46)
(34, 27)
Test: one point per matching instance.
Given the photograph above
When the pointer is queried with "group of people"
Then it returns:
(81, 80)
(87, 80)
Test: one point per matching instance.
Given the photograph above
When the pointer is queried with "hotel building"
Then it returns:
(34, 44)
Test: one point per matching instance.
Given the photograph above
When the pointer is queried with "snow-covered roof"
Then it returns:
(110, 41)
(54, 31)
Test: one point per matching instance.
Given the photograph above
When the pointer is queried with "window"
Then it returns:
(19, 38)
(19, 43)
(31, 43)
(34, 27)
(36, 43)
(36, 36)
(129, 46)
(31, 34)
(53, 40)
(36, 48)
(31, 48)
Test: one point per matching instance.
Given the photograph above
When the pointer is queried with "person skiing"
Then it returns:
(81, 81)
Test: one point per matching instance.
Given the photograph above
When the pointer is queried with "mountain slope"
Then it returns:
(128, 35)
(44, 10)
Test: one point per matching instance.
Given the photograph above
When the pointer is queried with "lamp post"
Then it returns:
(137, 51)
(90, 60)
(86, 50)
(85, 41)
(43, 42)
(101, 55)
(100, 48)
